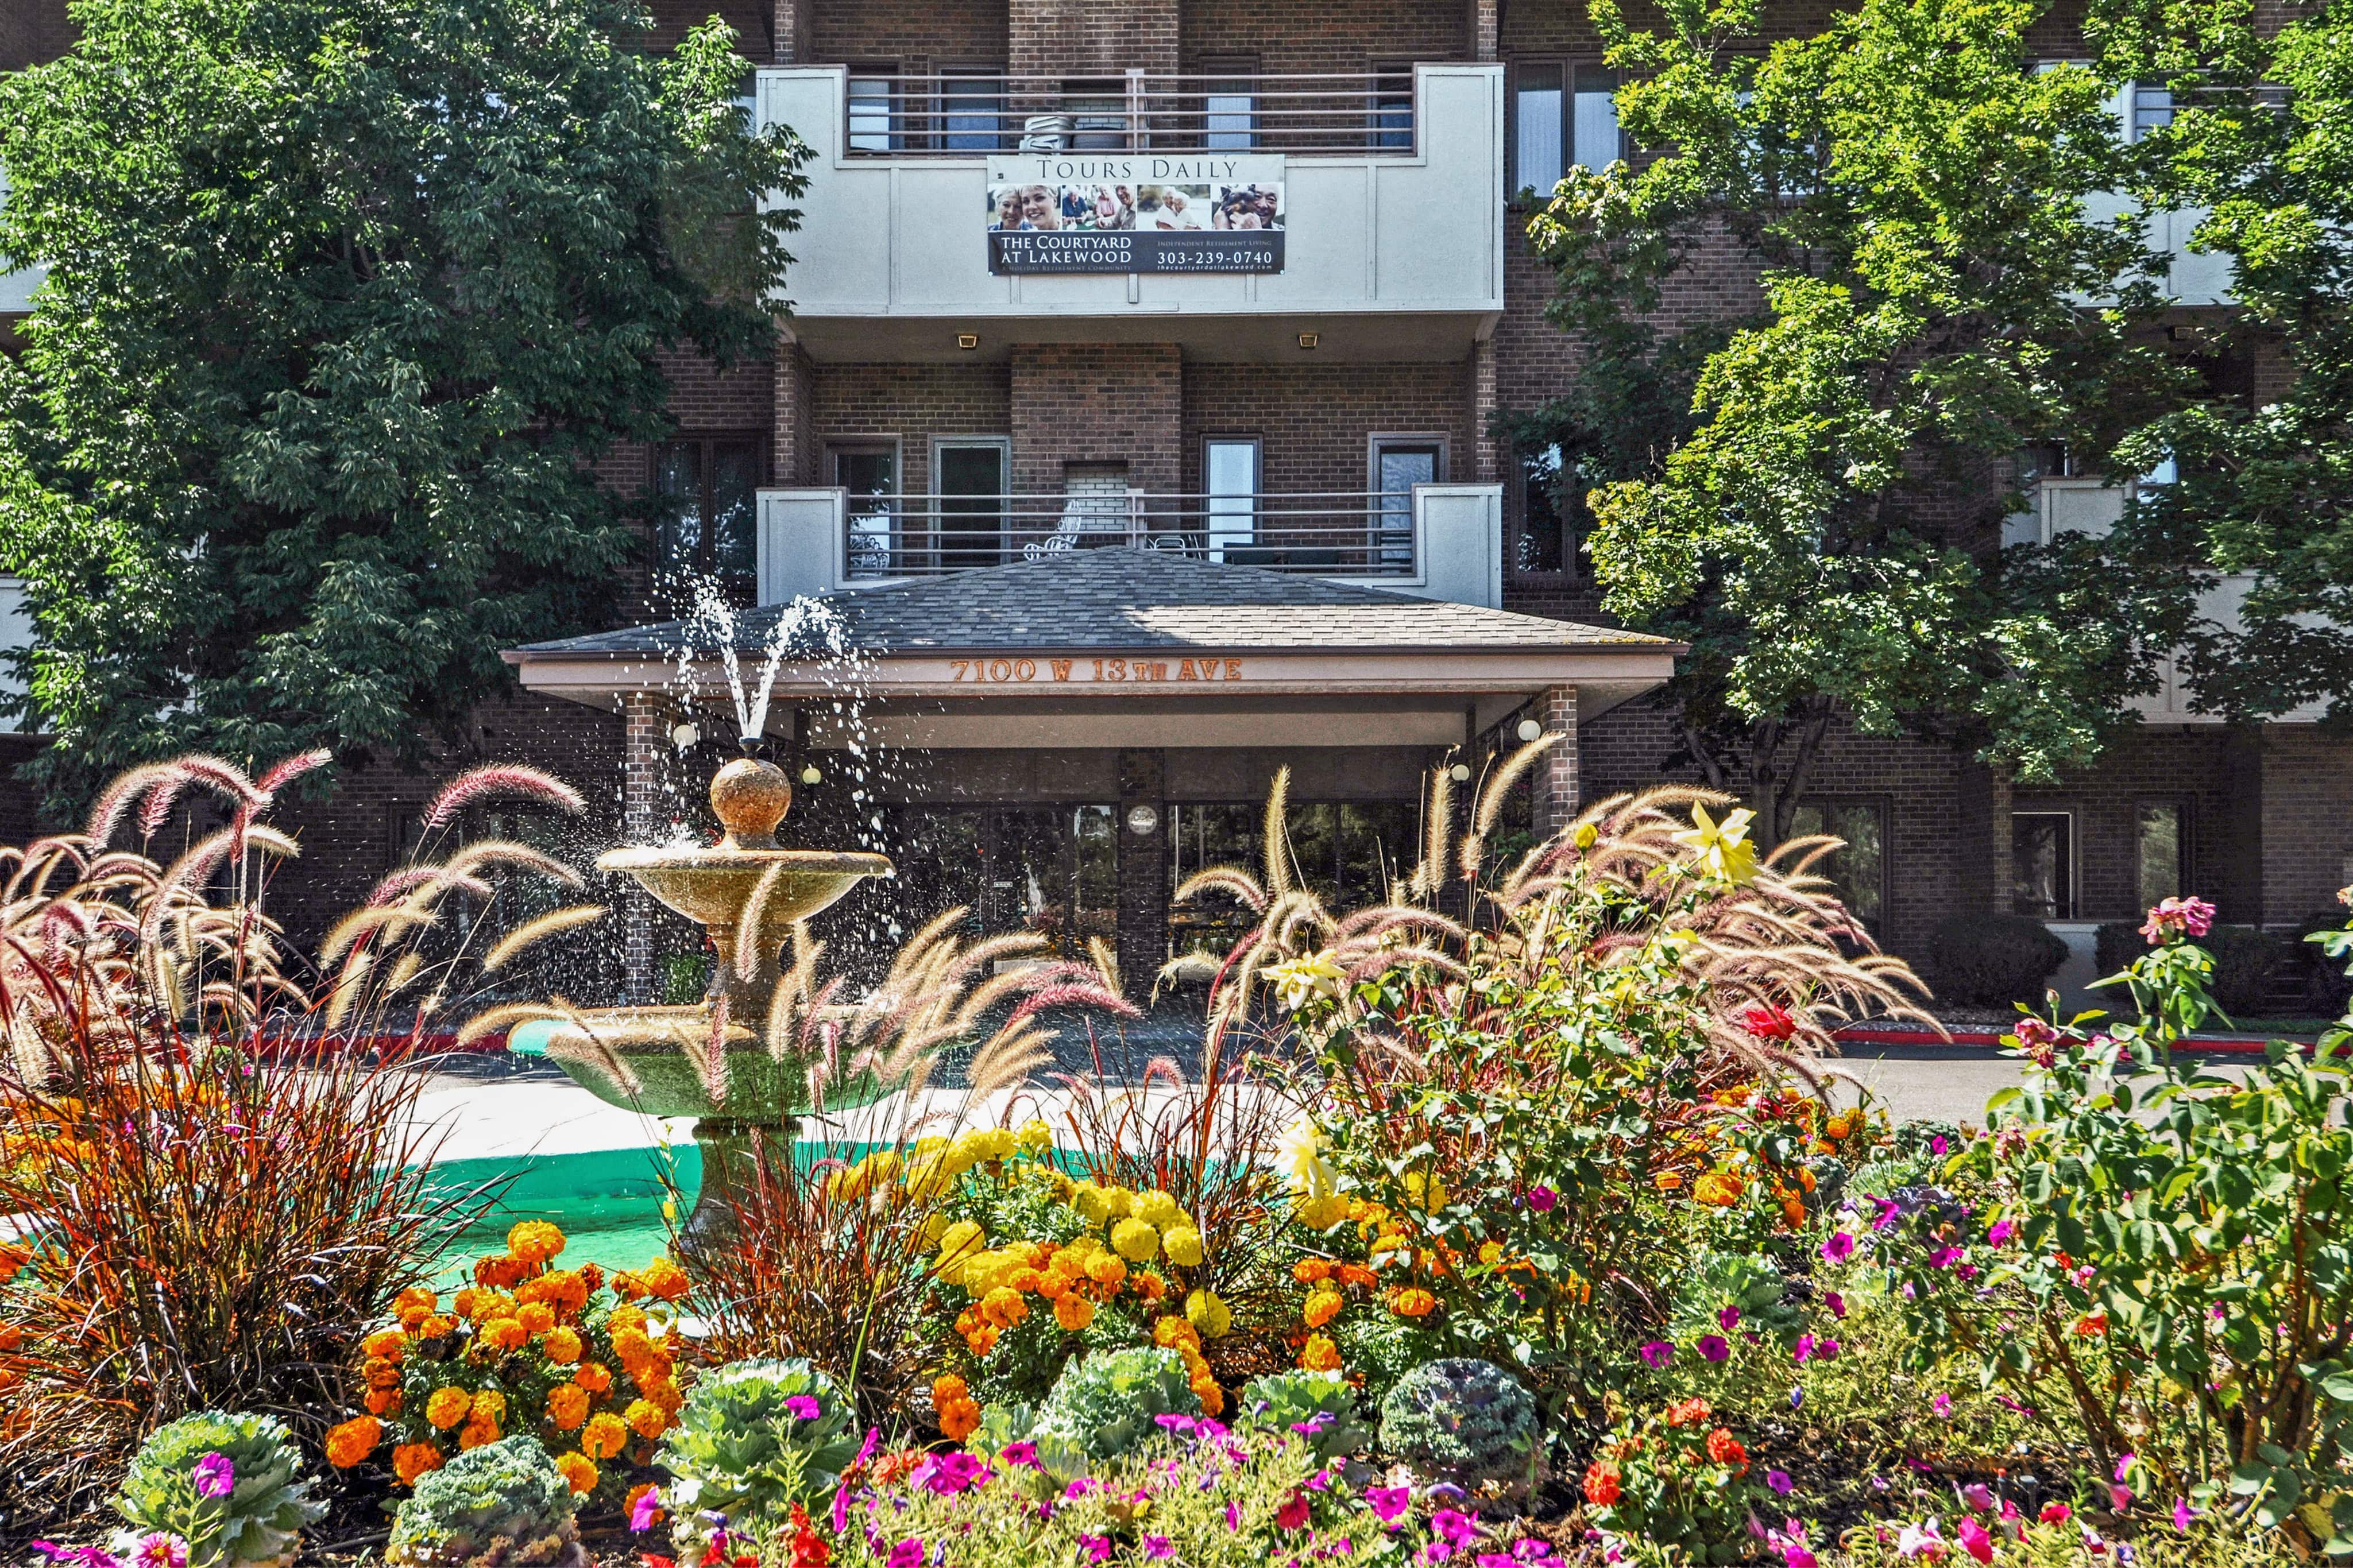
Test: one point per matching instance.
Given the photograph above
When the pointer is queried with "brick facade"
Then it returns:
(1316, 422)
(1096, 403)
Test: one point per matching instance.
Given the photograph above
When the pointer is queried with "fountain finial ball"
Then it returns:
(751, 798)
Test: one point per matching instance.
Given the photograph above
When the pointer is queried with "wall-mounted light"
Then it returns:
(1143, 819)
(1528, 730)
(967, 340)
(809, 774)
(685, 736)
(1459, 773)
(1308, 339)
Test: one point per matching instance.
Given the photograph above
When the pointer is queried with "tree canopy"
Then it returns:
(1956, 279)
(344, 300)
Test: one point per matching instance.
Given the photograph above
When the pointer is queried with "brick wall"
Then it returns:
(33, 31)
(2307, 820)
(1085, 38)
(2190, 767)
(1096, 403)
(911, 403)
(754, 22)
(1328, 35)
(1313, 420)
(917, 35)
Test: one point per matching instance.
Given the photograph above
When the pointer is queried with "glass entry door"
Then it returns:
(972, 502)
(1052, 870)
(1398, 467)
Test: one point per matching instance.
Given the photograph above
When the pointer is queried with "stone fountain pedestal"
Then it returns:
(746, 1112)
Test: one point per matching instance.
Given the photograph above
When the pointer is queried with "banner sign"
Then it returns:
(1136, 212)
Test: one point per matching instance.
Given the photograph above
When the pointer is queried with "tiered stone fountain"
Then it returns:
(762, 1094)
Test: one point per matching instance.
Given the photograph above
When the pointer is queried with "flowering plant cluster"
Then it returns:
(1677, 1477)
(527, 1348)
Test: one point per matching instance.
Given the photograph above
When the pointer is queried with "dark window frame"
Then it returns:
(2070, 905)
(1568, 69)
(707, 444)
(2185, 842)
(1516, 506)
(1884, 805)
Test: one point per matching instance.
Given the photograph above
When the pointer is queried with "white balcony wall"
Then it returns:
(17, 288)
(904, 236)
(1458, 546)
(15, 635)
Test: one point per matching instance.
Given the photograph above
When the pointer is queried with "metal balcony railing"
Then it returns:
(1137, 112)
(1336, 533)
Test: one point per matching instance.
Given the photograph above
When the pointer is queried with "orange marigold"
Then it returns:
(665, 1279)
(475, 1434)
(410, 1460)
(447, 1407)
(1151, 1287)
(948, 1388)
(578, 1473)
(1413, 1301)
(1322, 1306)
(567, 1406)
(387, 1343)
(959, 1418)
(503, 1334)
(380, 1372)
(1170, 1333)
(12, 1337)
(534, 1241)
(1073, 1311)
(1319, 1354)
(646, 1418)
(383, 1401)
(1725, 1450)
(353, 1440)
(663, 1393)
(1212, 1397)
(604, 1436)
(1310, 1270)
(631, 1348)
(490, 1404)
(594, 1376)
(1004, 1307)
(1107, 1269)
(1688, 1411)
(536, 1317)
(500, 1271)
(1357, 1276)
(562, 1346)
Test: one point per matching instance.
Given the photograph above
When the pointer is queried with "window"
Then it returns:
(869, 470)
(1229, 469)
(2162, 849)
(2151, 109)
(2043, 864)
(1563, 115)
(15, 635)
(1351, 855)
(709, 493)
(873, 109)
(1399, 463)
(1230, 105)
(1392, 107)
(972, 111)
(1858, 870)
(1543, 544)
(1098, 117)
(971, 482)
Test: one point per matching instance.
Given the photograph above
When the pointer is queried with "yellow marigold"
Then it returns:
(646, 1418)
(1209, 1314)
(1073, 1311)
(436, 1328)
(604, 1436)
(490, 1404)
(1156, 1209)
(1004, 1307)
(534, 1241)
(382, 1401)
(447, 1407)
(1024, 1280)
(1310, 1270)
(1428, 1192)
(1412, 1302)
(578, 1473)
(1171, 1333)
(536, 1317)
(1323, 1213)
(1319, 1354)
(1183, 1245)
(1106, 1268)
(415, 1304)
(1718, 1189)
(1035, 1137)
(665, 1279)
(387, 1343)
(1490, 1250)
(504, 1335)
(567, 1405)
(562, 1346)
(1667, 1181)
(594, 1376)
(353, 1440)
(410, 1460)
(1322, 1306)
(1135, 1241)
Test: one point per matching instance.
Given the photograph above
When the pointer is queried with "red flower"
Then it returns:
(1770, 1022)
(1687, 1412)
(1725, 1450)
(1601, 1483)
(1293, 1514)
(809, 1550)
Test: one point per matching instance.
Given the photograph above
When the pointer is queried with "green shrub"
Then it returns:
(1106, 1403)
(501, 1505)
(1992, 961)
(745, 1446)
(1286, 1400)
(2245, 958)
(262, 1516)
(1467, 1419)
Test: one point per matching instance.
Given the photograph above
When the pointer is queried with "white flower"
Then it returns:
(1301, 980)
(1299, 1154)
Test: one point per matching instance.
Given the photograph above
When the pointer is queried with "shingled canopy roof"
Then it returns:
(1129, 598)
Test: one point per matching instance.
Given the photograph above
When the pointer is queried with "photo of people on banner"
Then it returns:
(1146, 208)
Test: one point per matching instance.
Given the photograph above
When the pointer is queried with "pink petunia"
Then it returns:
(1658, 1354)
(1839, 1248)
(1388, 1503)
(1713, 1347)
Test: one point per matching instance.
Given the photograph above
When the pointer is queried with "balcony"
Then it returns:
(1229, 214)
(1435, 541)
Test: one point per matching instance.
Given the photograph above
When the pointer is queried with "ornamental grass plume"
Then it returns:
(212, 1136)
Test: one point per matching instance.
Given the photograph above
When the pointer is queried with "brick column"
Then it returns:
(795, 24)
(795, 457)
(1483, 22)
(1487, 455)
(1553, 792)
(1142, 941)
(644, 739)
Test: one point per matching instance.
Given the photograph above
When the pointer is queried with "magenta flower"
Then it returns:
(945, 1474)
(1728, 1319)
(1835, 1302)
(215, 1476)
(2123, 1465)
(801, 1407)
(158, 1549)
(1974, 1539)
(1294, 1513)
(1943, 1258)
(1978, 1497)
(1019, 1454)
(1890, 1211)
(2055, 1514)
(1453, 1527)
(645, 1512)
(2178, 916)
(1713, 1347)
(2182, 1514)
(2120, 1497)
(1542, 1199)
(1233, 1516)
(1943, 1405)
(1780, 1482)
(1938, 1145)
(1804, 1350)
(1389, 1502)
(1079, 1488)
(1494, 1560)
(907, 1554)
(1658, 1354)
(1839, 1248)
(1096, 1547)
(2001, 1232)
(1159, 1546)
(1795, 1555)
(1826, 1350)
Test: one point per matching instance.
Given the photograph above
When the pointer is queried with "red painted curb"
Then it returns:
(2197, 1046)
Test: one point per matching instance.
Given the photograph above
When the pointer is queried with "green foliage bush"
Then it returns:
(2245, 958)
(1993, 961)
(1463, 1418)
(1285, 1401)
(738, 1449)
(501, 1505)
(1105, 1402)
(260, 1520)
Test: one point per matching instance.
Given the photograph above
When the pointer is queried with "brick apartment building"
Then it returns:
(1240, 292)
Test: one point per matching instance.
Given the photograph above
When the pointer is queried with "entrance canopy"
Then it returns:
(1127, 647)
